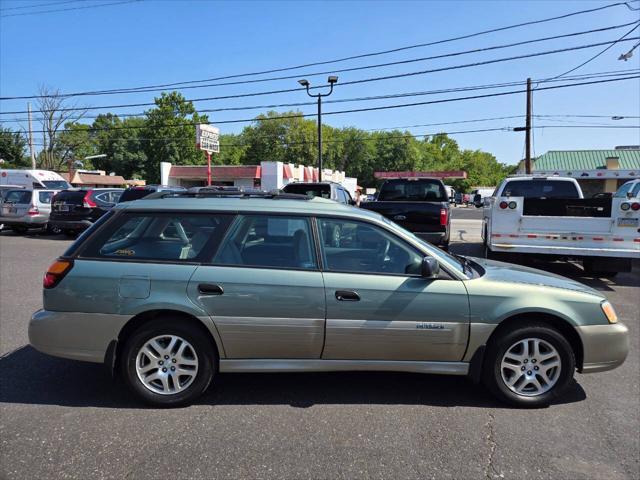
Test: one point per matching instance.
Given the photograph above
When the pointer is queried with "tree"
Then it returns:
(170, 135)
(55, 113)
(12, 149)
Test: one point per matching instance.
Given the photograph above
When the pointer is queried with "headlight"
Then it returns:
(609, 312)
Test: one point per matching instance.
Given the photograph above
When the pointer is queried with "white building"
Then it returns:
(266, 176)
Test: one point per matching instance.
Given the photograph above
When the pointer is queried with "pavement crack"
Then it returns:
(490, 471)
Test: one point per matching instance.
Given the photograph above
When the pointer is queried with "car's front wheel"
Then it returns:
(529, 365)
(168, 362)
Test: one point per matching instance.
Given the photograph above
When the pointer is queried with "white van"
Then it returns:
(33, 179)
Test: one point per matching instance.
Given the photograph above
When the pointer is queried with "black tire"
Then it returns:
(592, 271)
(70, 233)
(53, 230)
(20, 230)
(169, 325)
(492, 375)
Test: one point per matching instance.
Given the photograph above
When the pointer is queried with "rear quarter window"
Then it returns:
(45, 197)
(159, 236)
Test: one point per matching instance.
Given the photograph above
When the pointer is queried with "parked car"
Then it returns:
(536, 215)
(629, 190)
(136, 193)
(23, 210)
(458, 199)
(331, 190)
(419, 205)
(3, 190)
(167, 292)
(74, 210)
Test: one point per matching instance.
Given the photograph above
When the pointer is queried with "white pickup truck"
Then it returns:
(550, 216)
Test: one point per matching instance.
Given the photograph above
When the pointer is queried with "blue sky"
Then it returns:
(162, 41)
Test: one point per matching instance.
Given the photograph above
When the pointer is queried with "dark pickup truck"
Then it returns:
(421, 206)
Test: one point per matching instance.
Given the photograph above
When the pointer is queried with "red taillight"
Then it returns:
(56, 272)
(444, 214)
(33, 211)
(635, 206)
(503, 205)
(87, 202)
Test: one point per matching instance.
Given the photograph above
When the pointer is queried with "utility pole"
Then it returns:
(320, 137)
(527, 159)
(33, 154)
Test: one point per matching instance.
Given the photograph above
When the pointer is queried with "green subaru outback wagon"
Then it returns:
(170, 290)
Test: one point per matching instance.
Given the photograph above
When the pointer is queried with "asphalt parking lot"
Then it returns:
(66, 419)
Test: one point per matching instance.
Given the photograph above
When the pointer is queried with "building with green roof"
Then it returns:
(596, 170)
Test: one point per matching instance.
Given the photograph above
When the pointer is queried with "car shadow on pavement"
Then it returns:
(29, 377)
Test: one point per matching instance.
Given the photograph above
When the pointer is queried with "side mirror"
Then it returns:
(430, 268)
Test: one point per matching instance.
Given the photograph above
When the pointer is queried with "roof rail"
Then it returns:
(274, 194)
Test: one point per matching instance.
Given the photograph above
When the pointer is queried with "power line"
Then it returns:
(353, 99)
(366, 109)
(598, 54)
(394, 50)
(352, 69)
(371, 138)
(41, 5)
(70, 8)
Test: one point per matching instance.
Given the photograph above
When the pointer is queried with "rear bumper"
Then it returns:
(567, 251)
(35, 221)
(437, 238)
(71, 224)
(78, 336)
(605, 347)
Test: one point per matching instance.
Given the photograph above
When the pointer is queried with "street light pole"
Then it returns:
(305, 83)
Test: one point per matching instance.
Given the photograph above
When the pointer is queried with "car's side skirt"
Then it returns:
(289, 365)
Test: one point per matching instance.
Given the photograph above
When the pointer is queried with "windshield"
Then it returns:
(323, 191)
(56, 184)
(626, 188)
(540, 189)
(442, 256)
(413, 190)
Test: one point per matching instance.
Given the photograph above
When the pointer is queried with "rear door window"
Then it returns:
(161, 236)
(274, 241)
(540, 189)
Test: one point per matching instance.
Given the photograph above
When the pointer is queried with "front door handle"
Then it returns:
(347, 296)
(210, 289)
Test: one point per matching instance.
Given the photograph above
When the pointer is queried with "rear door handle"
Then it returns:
(210, 289)
(347, 296)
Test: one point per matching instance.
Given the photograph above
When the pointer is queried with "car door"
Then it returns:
(378, 306)
(263, 289)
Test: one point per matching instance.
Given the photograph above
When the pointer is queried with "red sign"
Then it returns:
(441, 174)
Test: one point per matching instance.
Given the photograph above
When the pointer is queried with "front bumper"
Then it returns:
(605, 347)
(78, 336)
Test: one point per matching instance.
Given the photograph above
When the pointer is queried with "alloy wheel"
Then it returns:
(530, 367)
(167, 364)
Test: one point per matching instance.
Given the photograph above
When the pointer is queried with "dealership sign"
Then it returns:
(208, 138)
(440, 174)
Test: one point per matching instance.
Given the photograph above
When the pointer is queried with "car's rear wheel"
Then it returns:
(529, 365)
(168, 362)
